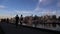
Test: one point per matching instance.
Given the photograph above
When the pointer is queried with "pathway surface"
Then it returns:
(11, 29)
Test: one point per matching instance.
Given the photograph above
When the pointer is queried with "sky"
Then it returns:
(9, 8)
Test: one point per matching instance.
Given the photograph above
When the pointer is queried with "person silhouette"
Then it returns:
(17, 20)
(7, 20)
(21, 19)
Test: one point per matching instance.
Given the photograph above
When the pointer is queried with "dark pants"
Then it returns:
(20, 22)
(16, 23)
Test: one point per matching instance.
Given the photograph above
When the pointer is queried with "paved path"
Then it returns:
(11, 29)
(1, 30)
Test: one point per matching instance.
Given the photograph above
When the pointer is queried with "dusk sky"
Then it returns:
(9, 8)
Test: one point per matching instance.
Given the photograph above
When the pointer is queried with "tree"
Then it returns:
(54, 17)
(35, 20)
(59, 18)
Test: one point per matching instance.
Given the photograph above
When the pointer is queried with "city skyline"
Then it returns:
(9, 8)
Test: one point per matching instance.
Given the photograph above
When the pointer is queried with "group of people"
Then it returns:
(18, 19)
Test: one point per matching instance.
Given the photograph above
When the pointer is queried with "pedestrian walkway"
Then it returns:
(1, 30)
(11, 29)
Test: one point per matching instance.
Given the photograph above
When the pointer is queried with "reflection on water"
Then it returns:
(46, 26)
(49, 26)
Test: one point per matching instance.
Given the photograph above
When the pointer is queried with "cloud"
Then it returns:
(47, 12)
(5, 16)
(44, 11)
(42, 0)
(46, 2)
(37, 6)
(2, 7)
(23, 12)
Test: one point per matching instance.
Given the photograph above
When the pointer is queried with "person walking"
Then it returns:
(21, 19)
(17, 20)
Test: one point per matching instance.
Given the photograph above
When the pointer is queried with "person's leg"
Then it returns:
(20, 23)
(16, 24)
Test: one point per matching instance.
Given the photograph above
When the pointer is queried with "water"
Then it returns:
(46, 26)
